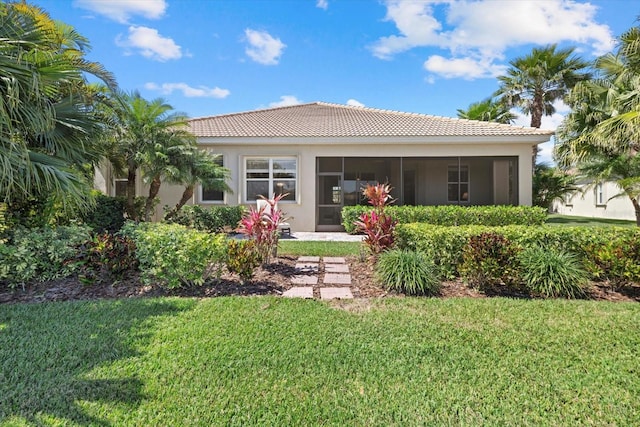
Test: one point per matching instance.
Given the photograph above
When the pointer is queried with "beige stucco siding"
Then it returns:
(585, 204)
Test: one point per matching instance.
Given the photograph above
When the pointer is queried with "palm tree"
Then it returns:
(47, 118)
(535, 81)
(488, 110)
(551, 184)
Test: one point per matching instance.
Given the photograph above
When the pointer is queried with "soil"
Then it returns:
(272, 279)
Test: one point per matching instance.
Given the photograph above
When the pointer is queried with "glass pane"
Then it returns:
(452, 192)
(258, 175)
(464, 192)
(258, 164)
(209, 195)
(453, 174)
(287, 164)
(285, 186)
(330, 164)
(464, 174)
(121, 188)
(290, 175)
(330, 190)
(257, 188)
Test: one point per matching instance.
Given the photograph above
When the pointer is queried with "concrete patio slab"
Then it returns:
(336, 268)
(335, 293)
(307, 267)
(305, 259)
(304, 280)
(299, 292)
(337, 279)
(333, 260)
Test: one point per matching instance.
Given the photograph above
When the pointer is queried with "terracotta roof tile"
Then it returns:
(320, 119)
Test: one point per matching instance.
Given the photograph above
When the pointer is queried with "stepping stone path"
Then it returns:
(335, 271)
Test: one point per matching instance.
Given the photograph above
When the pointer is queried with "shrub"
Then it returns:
(409, 272)
(107, 215)
(489, 259)
(106, 256)
(553, 273)
(213, 219)
(450, 215)
(242, 258)
(377, 226)
(40, 254)
(262, 227)
(616, 260)
(174, 255)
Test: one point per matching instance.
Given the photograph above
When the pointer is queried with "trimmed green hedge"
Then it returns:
(174, 255)
(213, 219)
(451, 215)
(610, 253)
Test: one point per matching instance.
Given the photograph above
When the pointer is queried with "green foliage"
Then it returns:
(214, 219)
(40, 254)
(105, 257)
(107, 215)
(616, 260)
(243, 258)
(488, 260)
(449, 215)
(409, 272)
(174, 255)
(551, 184)
(553, 273)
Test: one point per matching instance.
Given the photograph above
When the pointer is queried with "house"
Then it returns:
(321, 155)
(597, 201)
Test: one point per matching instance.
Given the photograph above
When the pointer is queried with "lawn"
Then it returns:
(318, 248)
(580, 221)
(269, 361)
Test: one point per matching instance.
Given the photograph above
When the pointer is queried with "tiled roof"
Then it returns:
(320, 119)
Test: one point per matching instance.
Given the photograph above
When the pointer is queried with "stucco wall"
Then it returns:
(584, 204)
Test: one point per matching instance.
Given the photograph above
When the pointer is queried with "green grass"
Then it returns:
(580, 221)
(318, 248)
(268, 361)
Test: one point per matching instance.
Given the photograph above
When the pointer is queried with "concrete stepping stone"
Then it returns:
(306, 259)
(337, 279)
(299, 292)
(333, 260)
(335, 293)
(304, 280)
(336, 268)
(307, 267)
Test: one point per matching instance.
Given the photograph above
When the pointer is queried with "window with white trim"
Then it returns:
(266, 176)
(210, 195)
(458, 184)
(600, 196)
(120, 185)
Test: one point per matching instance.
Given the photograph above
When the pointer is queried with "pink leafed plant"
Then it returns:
(262, 226)
(377, 226)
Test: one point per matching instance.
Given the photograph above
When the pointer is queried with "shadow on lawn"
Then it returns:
(48, 350)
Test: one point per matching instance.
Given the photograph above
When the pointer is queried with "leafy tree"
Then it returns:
(488, 110)
(600, 137)
(551, 184)
(48, 120)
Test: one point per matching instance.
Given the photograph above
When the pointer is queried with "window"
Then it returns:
(120, 185)
(266, 176)
(458, 184)
(210, 195)
(600, 197)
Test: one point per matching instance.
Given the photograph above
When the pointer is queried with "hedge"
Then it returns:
(213, 219)
(451, 215)
(613, 253)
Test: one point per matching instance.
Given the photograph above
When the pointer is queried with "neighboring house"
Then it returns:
(596, 201)
(322, 154)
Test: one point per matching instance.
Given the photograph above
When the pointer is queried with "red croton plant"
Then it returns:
(261, 226)
(377, 225)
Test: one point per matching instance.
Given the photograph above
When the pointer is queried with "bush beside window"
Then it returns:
(213, 219)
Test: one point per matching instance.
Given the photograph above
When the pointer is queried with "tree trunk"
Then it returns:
(186, 195)
(131, 193)
(154, 189)
(537, 109)
(636, 207)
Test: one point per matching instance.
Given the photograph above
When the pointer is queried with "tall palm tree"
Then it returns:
(47, 120)
(488, 110)
(535, 81)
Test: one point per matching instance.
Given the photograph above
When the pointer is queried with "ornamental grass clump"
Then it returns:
(412, 273)
(553, 273)
(377, 225)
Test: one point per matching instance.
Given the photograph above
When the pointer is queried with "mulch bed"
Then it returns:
(273, 279)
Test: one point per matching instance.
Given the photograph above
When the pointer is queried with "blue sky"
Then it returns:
(432, 57)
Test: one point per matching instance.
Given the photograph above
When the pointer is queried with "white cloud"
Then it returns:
(263, 48)
(150, 44)
(355, 103)
(122, 10)
(481, 31)
(285, 101)
(188, 91)
(322, 4)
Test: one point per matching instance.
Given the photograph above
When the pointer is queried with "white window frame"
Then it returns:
(201, 190)
(271, 179)
(600, 195)
(115, 180)
(459, 183)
